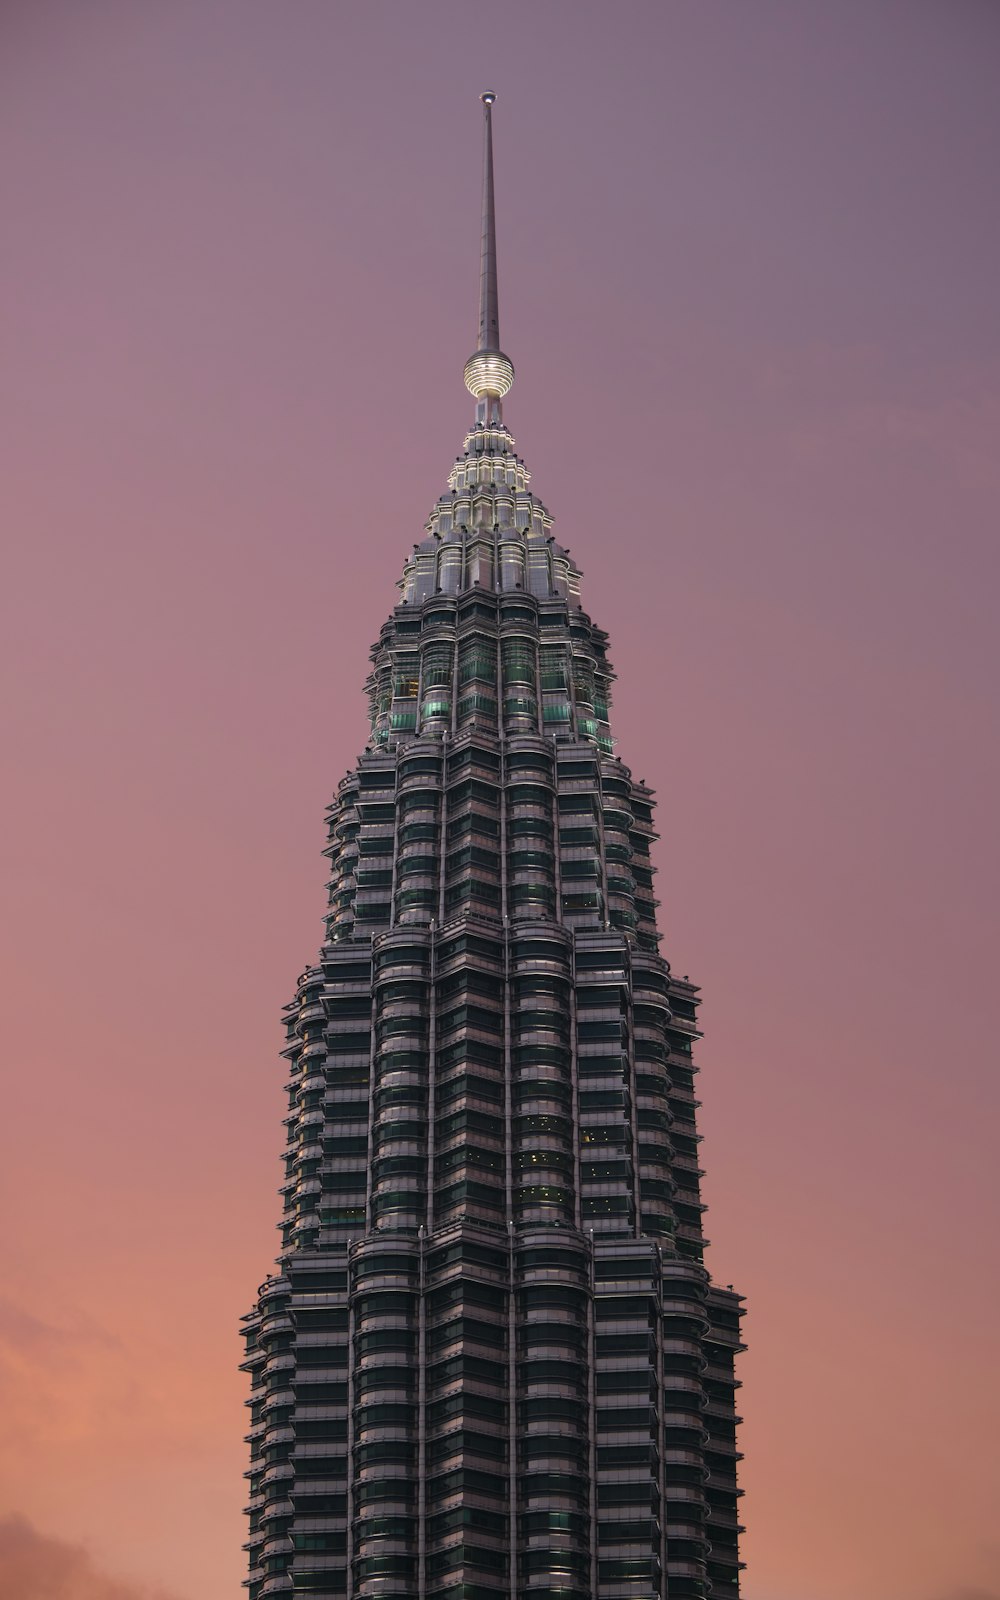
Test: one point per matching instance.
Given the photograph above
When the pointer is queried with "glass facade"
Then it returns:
(491, 1362)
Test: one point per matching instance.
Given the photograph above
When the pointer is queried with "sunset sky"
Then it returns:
(749, 258)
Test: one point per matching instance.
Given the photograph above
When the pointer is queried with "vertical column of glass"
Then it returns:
(581, 851)
(655, 1151)
(343, 828)
(374, 794)
(347, 1003)
(585, 691)
(467, 1419)
(641, 836)
(398, 1157)
(530, 802)
(291, 1052)
(628, 1465)
(306, 1089)
(317, 1505)
(605, 1091)
(519, 671)
(618, 820)
(542, 1089)
(477, 676)
(269, 1336)
(437, 668)
(253, 1365)
(378, 688)
(553, 1294)
(469, 1155)
(685, 1470)
(472, 842)
(721, 1492)
(602, 687)
(553, 659)
(385, 1283)
(418, 857)
(685, 1139)
(405, 686)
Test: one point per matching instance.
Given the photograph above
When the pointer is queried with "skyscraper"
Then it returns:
(491, 1362)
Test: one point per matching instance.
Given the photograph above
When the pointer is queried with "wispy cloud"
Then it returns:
(55, 1380)
(36, 1567)
(20, 1330)
(74, 1380)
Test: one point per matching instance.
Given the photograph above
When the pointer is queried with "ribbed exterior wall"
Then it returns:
(493, 1363)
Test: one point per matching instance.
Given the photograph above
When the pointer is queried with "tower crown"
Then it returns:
(489, 374)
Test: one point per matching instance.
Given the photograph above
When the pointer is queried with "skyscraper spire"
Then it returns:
(489, 374)
(489, 308)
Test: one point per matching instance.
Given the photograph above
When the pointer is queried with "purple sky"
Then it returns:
(748, 265)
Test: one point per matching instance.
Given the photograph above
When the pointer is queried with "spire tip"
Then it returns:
(489, 373)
